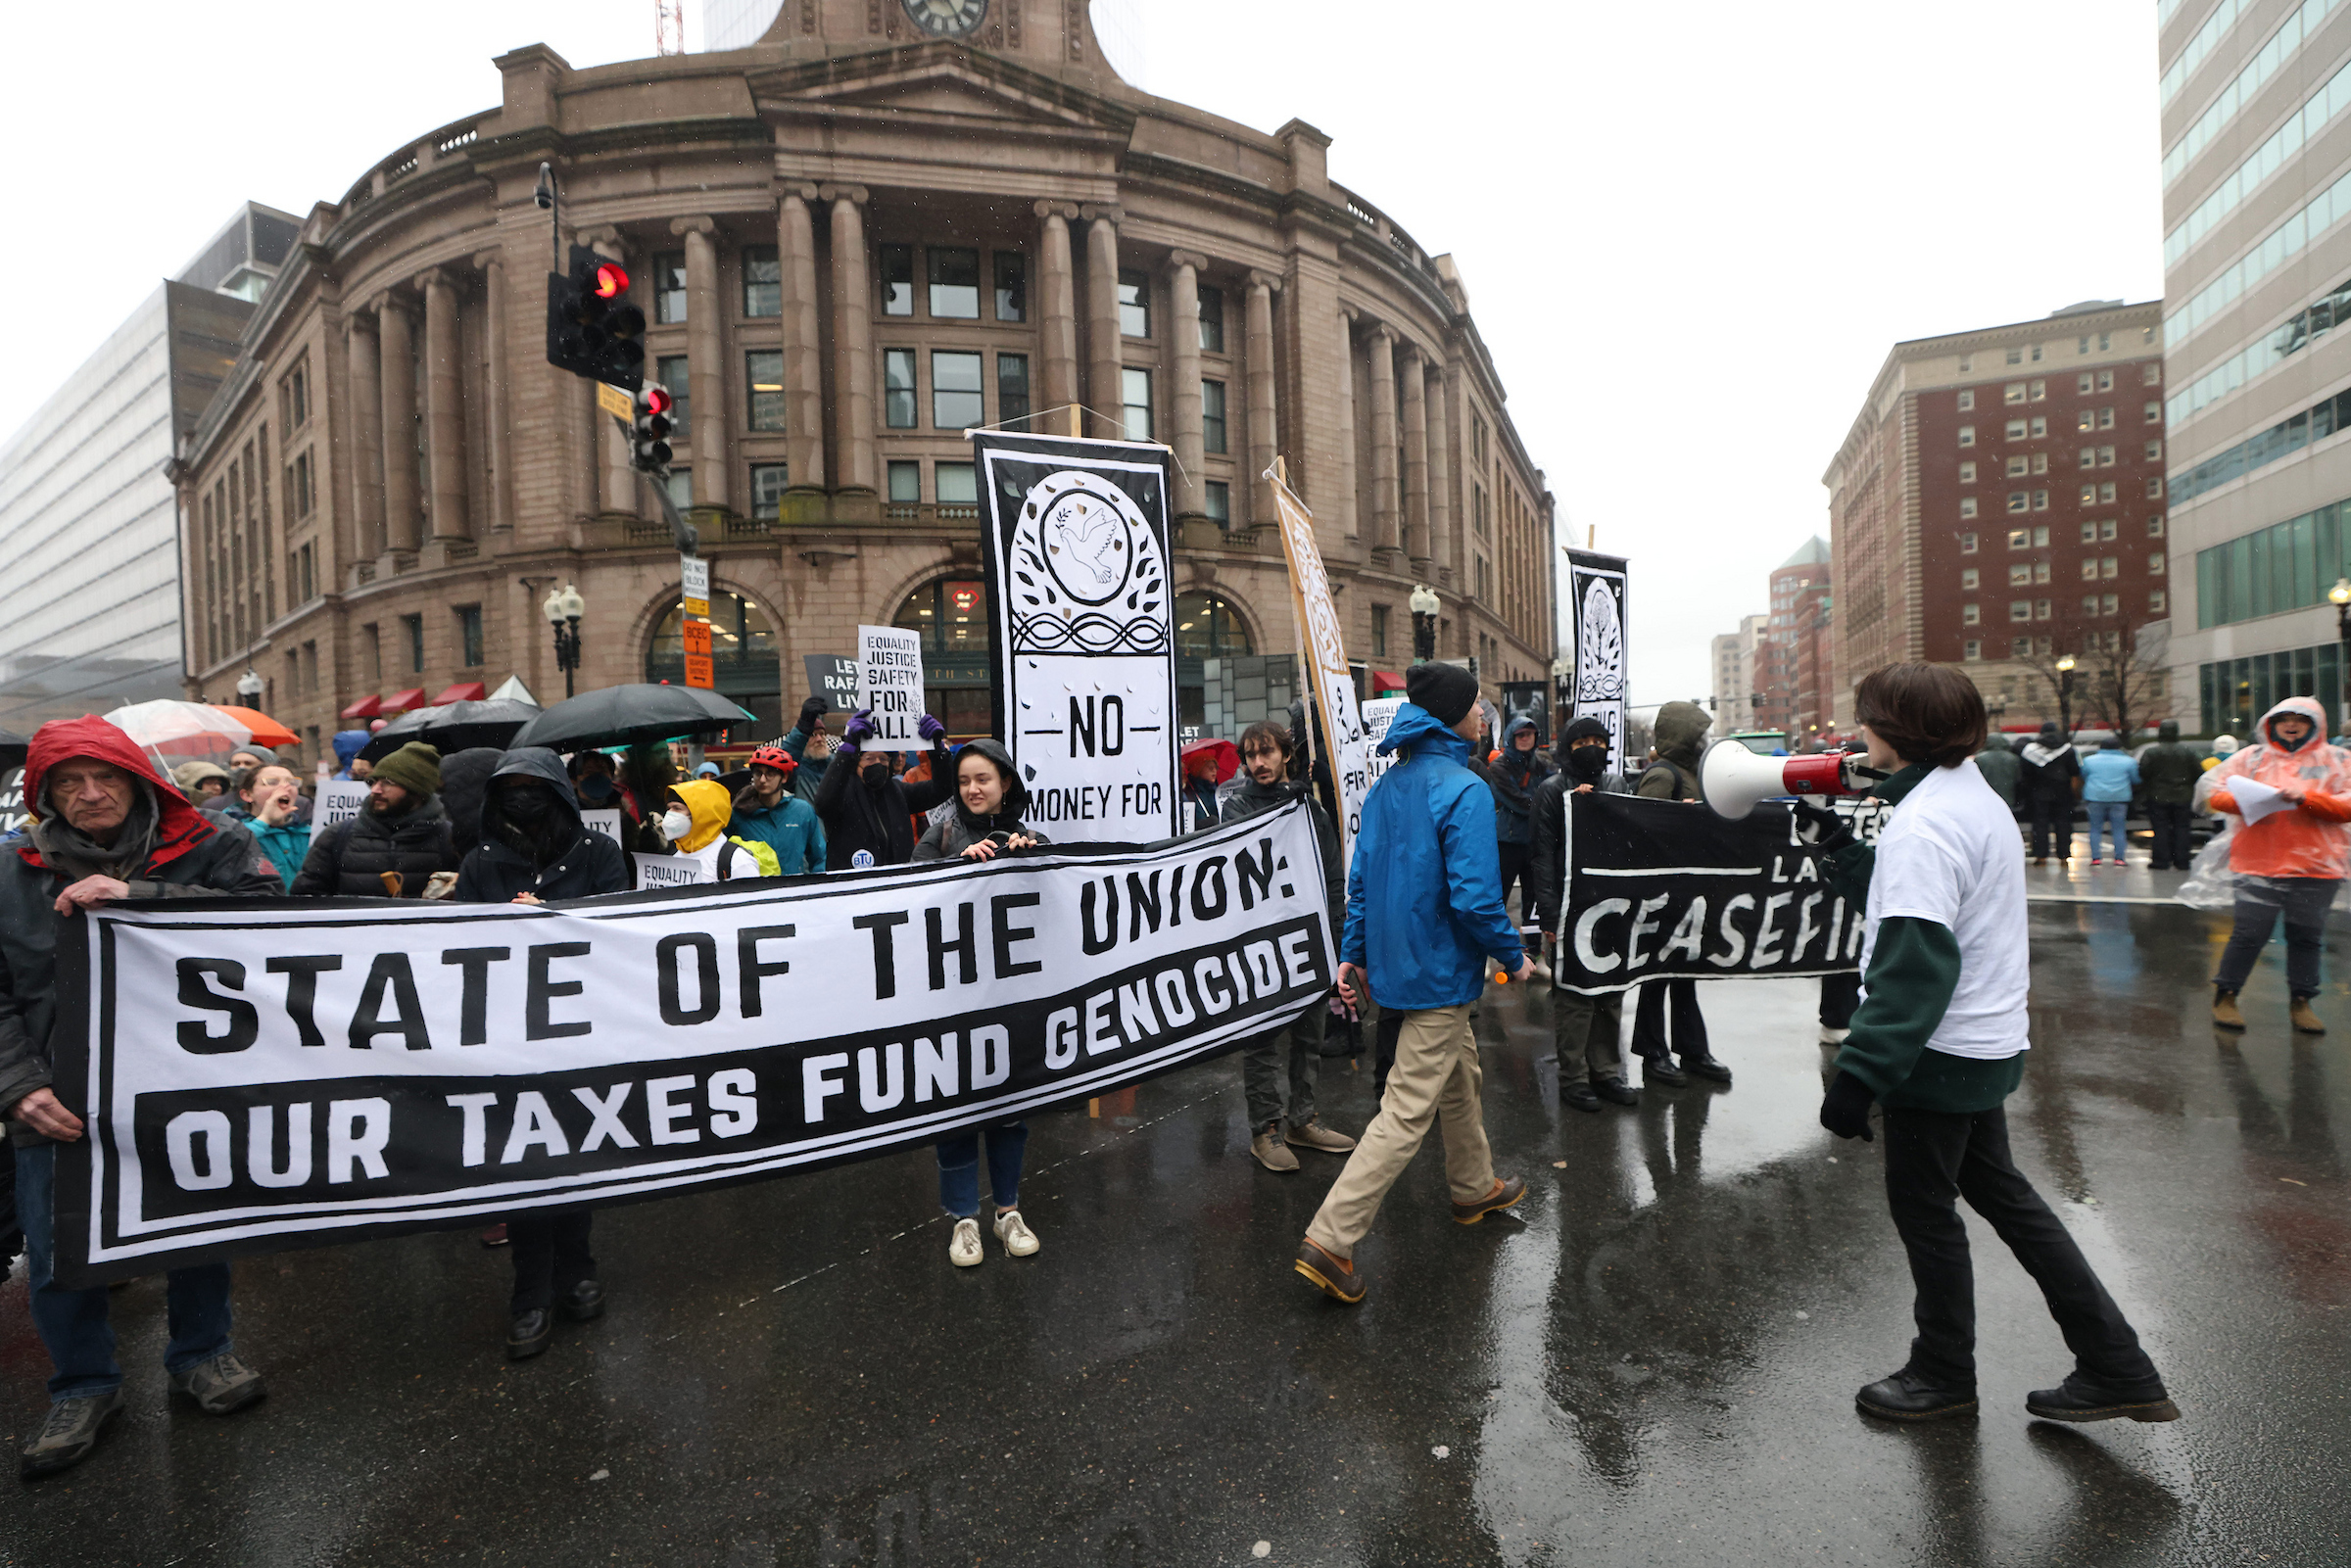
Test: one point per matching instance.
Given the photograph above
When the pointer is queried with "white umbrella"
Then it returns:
(182, 729)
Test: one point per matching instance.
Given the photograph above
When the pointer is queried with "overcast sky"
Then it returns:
(1689, 232)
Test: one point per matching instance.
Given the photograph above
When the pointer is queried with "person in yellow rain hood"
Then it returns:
(695, 825)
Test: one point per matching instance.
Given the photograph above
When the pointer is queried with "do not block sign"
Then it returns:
(890, 683)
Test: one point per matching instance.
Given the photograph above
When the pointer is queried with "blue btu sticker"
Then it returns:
(862, 859)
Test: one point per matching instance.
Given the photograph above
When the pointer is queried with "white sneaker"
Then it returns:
(1829, 1037)
(963, 1247)
(1013, 1232)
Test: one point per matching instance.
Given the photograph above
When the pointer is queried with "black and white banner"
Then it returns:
(1596, 607)
(1077, 559)
(264, 1075)
(1665, 889)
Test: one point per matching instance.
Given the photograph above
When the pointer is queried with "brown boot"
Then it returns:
(2224, 1013)
(1335, 1276)
(2304, 1020)
(1315, 1135)
(1268, 1147)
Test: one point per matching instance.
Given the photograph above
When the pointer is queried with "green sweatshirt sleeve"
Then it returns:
(1847, 872)
(1913, 970)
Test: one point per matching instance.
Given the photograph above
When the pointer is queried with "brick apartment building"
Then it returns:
(852, 240)
(1795, 660)
(1999, 503)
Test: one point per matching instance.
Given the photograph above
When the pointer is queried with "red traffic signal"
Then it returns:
(611, 281)
(656, 399)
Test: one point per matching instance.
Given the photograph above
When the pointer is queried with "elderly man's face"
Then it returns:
(93, 796)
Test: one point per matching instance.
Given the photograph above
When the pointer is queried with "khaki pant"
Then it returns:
(1436, 1076)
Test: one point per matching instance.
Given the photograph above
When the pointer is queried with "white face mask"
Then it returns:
(676, 824)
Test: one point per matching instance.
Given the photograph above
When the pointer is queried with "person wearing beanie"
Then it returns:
(1424, 915)
(2053, 782)
(396, 846)
(2171, 772)
(1587, 1032)
(1681, 734)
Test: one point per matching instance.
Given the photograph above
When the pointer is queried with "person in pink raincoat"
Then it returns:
(2290, 861)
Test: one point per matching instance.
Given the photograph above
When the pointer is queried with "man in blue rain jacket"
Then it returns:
(1424, 912)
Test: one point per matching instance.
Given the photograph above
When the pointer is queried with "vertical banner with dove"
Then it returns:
(1596, 601)
(1077, 559)
(1340, 719)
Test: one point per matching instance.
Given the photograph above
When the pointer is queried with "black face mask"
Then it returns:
(1588, 763)
(596, 785)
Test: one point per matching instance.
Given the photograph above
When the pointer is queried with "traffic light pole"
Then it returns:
(685, 534)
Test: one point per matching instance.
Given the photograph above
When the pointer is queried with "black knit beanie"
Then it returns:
(1443, 691)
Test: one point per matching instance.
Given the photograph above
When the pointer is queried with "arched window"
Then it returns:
(958, 646)
(743, 656)
(1206, 627)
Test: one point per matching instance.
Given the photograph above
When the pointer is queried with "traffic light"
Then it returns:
(649, 431)
(592, 330)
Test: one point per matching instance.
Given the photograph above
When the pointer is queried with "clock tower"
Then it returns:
(1056, 37)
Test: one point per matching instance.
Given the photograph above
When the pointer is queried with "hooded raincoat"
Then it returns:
(721, 860)
(1512, 777)
(2308, 840)
(1425, 904)
(2000, 767)
(1680, 730)
(568, 860)
(954, 828)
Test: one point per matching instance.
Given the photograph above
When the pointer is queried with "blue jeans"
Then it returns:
(2107, 815)
(959, 1169)
(73, 1323)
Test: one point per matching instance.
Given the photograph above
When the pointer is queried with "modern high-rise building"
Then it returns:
(1733, 665)
(2000, 503)
(2256, 131)
(90, 540)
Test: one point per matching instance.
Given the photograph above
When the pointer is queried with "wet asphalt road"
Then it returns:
(1653, 1363)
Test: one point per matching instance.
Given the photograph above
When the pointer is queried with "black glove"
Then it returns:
(1845, 1108)
(1830, 831)
(813, 709)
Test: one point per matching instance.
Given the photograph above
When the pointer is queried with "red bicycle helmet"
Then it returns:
(775, 757)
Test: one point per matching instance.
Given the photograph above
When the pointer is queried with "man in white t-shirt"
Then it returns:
(1939, 1042)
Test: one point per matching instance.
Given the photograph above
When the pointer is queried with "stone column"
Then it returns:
(398, 352)
(1413, 377)
(1264, 440)
(1183, 398)
(1342, 504)
(615, 487)
(1056, 312)
(1104, 351)
(852, 340)
(1383, 438)
(444, 406)
(706, 364)
(365, 366)
(804, 355)
(1440, 466)
(495, 415)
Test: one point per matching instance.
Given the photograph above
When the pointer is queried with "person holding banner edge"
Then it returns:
(105, 827)
(1587, 1032)
(1938, 1043)
(1681, 732)
(1425, 914)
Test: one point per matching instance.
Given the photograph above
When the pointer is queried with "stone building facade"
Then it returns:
(852, 241)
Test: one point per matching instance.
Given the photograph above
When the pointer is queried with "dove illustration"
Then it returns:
(1085, 545)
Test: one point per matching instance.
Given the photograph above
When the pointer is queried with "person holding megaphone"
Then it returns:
(1939, 1044)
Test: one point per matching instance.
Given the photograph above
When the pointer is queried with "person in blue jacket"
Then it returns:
(2109, 775)
(1424, 913)
(766, 809)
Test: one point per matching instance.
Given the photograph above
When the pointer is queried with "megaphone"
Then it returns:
(1732, 779)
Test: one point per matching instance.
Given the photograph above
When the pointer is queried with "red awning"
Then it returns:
(368, 707)
(463, 691)
(407, 701)
(1383, 681)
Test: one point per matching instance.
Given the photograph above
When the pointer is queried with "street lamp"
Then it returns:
(250, 688)
(1425, 605)
(2341, 595)
(2065, 696)
(564, 609)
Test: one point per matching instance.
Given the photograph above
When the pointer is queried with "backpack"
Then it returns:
(763, 854)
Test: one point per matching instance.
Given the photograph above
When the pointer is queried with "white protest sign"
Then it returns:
(889, 685)
(669, 870)
(1378, 714)
(605, 821)
(339, 800)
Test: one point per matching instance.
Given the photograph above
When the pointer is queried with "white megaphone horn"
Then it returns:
(1732, 779)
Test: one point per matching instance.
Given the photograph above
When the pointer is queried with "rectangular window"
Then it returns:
(763, 373)
(1380, 631)
(2090, 533)
(2035, 353)
(2109, 566)
(2041, 539)
(2106, 418)
(1970, 615)
(762, 281)
(2040, 463)
(1134, 400)
(2041, 609)
(2016, 430)
(2150, 375)
(2089, 568)
(2153, 414)
(1967, 543)
(2018, 467)
(2040, 392)
(1212, 339)
(2041, 501)
(2040, 426)
(954, 283)
(2106, 493)
(1012, 387)
(898, 389)
(769, 481)
(2087, 419)
(2153, 451)
(1135, 305)
(1967, 505)
(906, 481)
(669, 287)
(898, 279)
(2016, 356)
(1967, 435)
(2155, 563)
(1212, 416)
(469, 634)
(955, 484)
(1215, 500)
(1972, 650)
(1012, 285)
(2154, 487)
(1968, 577)
(2020, 539)
(2019, 609)
(2105, 381)
(2081, 382)
(670, 371)
(2089, 494)
(371, 647)
(411, 629)
(2109, 604)
(2019, 575)
(2155, 526)
(2019, 500)
(1967, 473)
(1967, 400)
(2088, 457)
(2014, 392)
(2089, 603)
(955, 400)
(2155, 601)
(2106, 529)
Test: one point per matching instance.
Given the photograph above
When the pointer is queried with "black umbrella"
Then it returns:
(631, 715)
(453, 727)
(12, 747)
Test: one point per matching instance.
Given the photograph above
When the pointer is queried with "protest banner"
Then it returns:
(832, 677)
(603, 819)
(669, 870)
(1323, 653)
(1378, 714)
(262, 1073)
(1075, 537)
(339, 800)
(1596, 606)
(890, 686)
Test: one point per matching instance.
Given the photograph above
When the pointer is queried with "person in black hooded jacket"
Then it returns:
(395, 846)
(1587, 1032)
(1513, 777)
(868, 812)
(535, 850)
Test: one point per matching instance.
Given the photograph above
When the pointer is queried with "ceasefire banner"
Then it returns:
(1344, 746)
(1665, 889)
(1076, 541)
(258, 1074)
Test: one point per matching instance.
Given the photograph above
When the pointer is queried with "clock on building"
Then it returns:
(946, 18)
